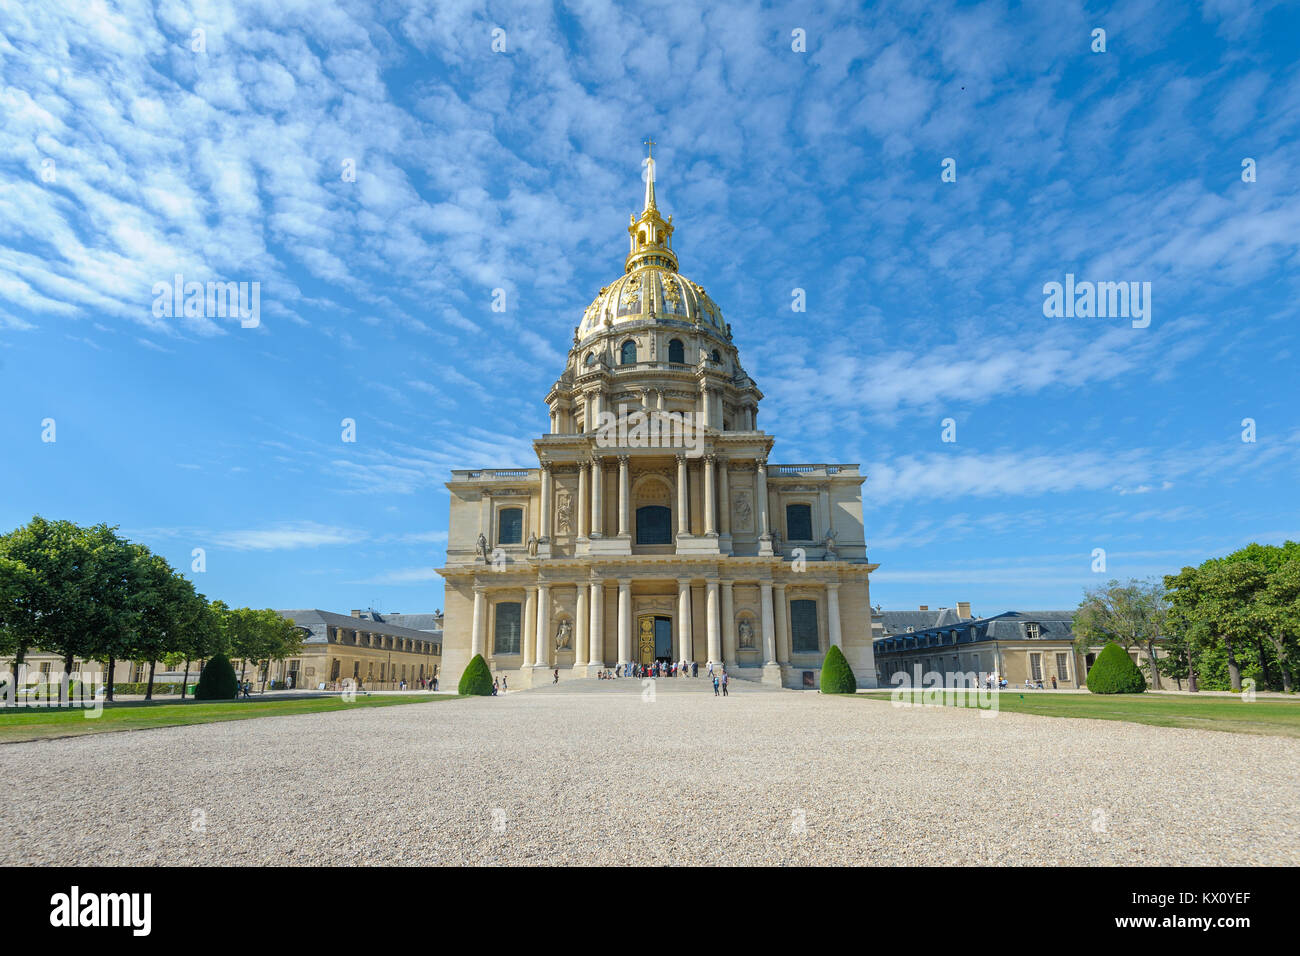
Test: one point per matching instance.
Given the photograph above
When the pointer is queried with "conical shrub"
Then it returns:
(837, 675)
(477, 679)
(1113, 672)
(218, 681)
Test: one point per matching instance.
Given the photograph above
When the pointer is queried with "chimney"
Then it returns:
(963, 609)
(924, 607)
(356, 612)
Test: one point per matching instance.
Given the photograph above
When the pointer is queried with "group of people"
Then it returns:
(657, 668)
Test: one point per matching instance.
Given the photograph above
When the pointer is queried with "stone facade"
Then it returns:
(654, 525)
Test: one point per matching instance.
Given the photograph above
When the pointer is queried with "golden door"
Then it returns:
(645, 642)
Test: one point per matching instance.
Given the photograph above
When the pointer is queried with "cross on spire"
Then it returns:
(650, 146)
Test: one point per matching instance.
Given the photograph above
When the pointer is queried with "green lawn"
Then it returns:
(35, 723)
(1262, 716)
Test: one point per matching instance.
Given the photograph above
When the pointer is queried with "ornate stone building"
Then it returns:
(654, 526)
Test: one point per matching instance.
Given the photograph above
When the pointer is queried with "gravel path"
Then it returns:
(589, 772)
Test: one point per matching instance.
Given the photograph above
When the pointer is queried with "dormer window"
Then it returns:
(1031, 631)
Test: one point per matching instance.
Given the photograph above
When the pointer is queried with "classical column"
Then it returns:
(714, 626)
(543, 625)
(597, 635)
(584, 503)
(625, 621)
(769, 628)
(580, 627)
(624, 497)
(528, 640)
(684, 618)
(683, 498)
(480, 610)
(597, 498)
(763, 531)
(833, 613)
(710, 504)
(728, 623)
(546, 501)
(724, 497)
(782, 624)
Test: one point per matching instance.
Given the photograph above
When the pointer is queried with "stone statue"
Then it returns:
(563, 634)
(830, 544)
(776, 542)
(746, 633)
(480, 547)
(532, 544)
(743, 511)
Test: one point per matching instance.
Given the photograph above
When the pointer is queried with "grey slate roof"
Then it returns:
(897, 622)
(1007, 626)
(318, 620)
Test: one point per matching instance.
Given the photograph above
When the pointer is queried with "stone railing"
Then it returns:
(506, 474)
(818, 470)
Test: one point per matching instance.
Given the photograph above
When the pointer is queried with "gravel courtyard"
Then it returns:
(589, 772)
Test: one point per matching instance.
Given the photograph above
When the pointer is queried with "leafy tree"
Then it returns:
(1113, 672)
(1220, 595)
(837, 676)
(1130, 614)
(16, 586)
(477, 679)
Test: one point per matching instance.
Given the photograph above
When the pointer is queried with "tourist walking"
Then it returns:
(715, 685)
(504, 685)
(556, 678)
(725, 680)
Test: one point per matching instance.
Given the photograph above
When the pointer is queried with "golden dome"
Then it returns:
(651, 292)
(651, 287)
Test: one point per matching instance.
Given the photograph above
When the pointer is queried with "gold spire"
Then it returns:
(651, 234)
(649, 165)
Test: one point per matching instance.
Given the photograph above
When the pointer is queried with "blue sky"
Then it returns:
(127, 156)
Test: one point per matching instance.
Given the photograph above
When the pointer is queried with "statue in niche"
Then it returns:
(776, 542)
(746, 633)
(563, 634)
(480, 547)
(830, 544)
(532, 544)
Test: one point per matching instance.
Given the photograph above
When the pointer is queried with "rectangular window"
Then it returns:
(505, 637)
(510, 526)
(798, 522)
(803, 627)
(1035, 666)
(1063, 666)
(1031, 631)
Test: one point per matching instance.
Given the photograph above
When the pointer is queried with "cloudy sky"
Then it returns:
(380, 169)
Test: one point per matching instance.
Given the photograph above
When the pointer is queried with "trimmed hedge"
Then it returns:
(218, 681)
(1113, 672)
(143, 687)
(477, 679)
(837, 675)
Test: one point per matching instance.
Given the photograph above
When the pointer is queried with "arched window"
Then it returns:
(591, 358)
(798, 522)
(803, 627)
(627, 355)
(510, 526)
(654, 525)
(717, 356)
(505, 636)
(676, 351)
